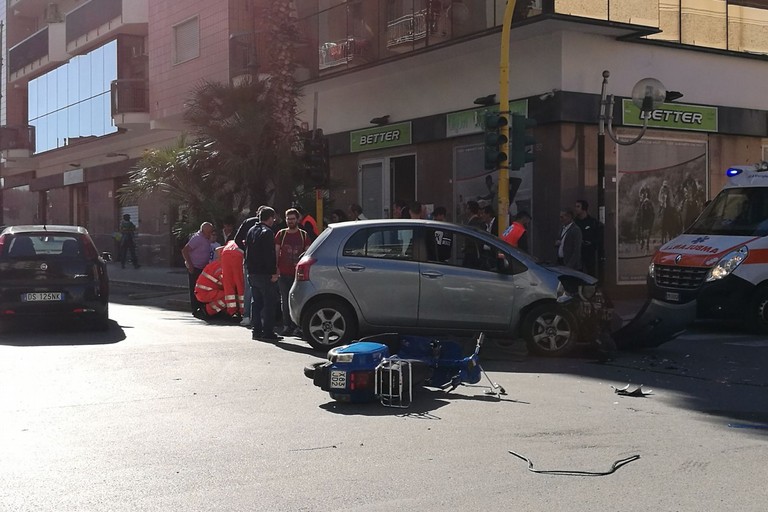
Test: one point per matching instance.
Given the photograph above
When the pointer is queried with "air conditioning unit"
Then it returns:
(53, 13)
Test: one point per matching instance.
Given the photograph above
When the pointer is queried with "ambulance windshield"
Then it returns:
(736, 212)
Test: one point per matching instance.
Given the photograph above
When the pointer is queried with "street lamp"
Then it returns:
(648, 94)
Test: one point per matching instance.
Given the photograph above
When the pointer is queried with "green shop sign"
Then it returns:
(472, 121)
(381, 137)
(674, 116)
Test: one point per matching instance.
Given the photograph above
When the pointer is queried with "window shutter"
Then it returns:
(186, 40)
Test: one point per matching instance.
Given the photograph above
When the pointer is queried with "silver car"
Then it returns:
(429, 277)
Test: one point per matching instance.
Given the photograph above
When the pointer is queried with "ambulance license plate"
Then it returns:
(673, 296)
(338, 379)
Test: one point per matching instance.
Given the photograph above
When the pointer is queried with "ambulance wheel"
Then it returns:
(329, 323)
(309, 370)
(550, 330)
(759, 311)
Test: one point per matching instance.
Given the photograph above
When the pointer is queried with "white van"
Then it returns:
(716, 269)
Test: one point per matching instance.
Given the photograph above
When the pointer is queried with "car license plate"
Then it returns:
(338, 379)
(41, 296)
(673, 296)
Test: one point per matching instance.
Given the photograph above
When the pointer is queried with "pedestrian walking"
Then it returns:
(240, 236)
(290, 244)
(261, 261)
(128, 241)
(197, 254)
(568, 245)
(488, 216)
(590, 236)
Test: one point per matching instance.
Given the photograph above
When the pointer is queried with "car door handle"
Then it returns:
(432, 274)
(354, 267)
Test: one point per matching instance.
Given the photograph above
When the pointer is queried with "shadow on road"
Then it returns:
(52, 333)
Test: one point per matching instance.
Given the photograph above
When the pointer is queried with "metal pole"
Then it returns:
(600, 270)
(502, 215)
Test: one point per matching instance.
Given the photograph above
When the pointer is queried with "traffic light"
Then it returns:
(521, 145)
(316, 158)
(495, 141)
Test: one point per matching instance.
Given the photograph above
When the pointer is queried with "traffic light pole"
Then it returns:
(502, 215)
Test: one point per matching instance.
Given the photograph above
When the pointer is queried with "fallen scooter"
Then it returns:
(388, 367)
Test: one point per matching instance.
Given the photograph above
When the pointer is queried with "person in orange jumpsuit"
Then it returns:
(209, 288)
(232, 278)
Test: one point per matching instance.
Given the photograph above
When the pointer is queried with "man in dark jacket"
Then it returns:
(591, 234)
(261, 262)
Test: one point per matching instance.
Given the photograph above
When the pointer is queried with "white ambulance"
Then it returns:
(716, 269)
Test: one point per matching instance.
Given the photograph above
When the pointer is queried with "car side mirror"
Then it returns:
(107, 256)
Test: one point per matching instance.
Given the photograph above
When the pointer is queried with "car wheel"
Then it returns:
(758, 312)
(329, 323)
(550, 330)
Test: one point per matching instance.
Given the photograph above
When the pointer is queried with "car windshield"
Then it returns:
(31, 245)
(736, 212)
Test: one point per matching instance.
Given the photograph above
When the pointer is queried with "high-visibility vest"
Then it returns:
(312, 222)
(513, 233)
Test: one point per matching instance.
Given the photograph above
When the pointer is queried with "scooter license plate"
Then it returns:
(338, 379)
(672, 296)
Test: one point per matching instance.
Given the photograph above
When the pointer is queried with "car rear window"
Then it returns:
(31, 245)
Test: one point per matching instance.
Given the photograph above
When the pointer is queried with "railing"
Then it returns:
(342, 52)
(407, 29)
(28, 51)
(130, 95)
(92, 15)
(17, 137)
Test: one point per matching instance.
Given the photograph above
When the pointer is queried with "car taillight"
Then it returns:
(3, 238)
(88, 248)
(361, 380)
(302, 268)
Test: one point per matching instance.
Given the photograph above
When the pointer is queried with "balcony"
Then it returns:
(17, 142)
(96, 21)
(130, 103)
(39, 52)
(345, 51)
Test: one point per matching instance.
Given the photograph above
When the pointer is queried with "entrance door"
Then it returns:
(371, 187)
(380, 189)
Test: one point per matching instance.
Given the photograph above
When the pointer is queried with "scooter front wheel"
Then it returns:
(310, 369)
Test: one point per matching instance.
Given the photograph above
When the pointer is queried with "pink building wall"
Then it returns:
(171, 85)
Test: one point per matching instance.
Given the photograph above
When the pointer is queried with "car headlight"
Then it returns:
(727, 264)
(652, 270)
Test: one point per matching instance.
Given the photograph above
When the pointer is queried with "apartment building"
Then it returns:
(89, 85)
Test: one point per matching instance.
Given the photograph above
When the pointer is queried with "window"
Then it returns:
(388, 243)
(186, 41)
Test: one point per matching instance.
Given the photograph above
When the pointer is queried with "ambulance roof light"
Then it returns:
(733, 172)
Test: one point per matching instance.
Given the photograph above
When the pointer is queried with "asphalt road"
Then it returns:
(167, 413)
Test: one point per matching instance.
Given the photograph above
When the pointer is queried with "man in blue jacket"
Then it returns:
(261, 263)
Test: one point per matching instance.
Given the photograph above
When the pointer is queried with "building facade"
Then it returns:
(393, 84)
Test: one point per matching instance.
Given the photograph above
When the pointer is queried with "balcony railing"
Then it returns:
(92, 15)
(130, 96)
(17, 138)
(407, 29)
(342, 52)
(28, 51)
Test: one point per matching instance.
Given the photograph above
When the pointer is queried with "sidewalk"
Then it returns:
(156, 277)
(166, 277)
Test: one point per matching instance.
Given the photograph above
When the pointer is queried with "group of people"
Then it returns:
(578, 246)
(251, 272)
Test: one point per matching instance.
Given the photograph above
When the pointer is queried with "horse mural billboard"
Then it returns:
(661, 189)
